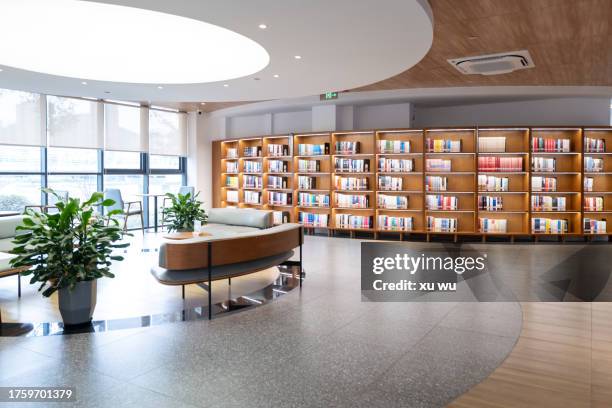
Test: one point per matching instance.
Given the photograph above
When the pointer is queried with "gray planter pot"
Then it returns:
(77, 306)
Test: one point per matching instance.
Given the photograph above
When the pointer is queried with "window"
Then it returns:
(165, 162)
(167, 133)
(77, 185)
(65, 160)
(74, 123)
(19, 159)
(21, 118)
(122, 129)
(17, 191)
(122, 160)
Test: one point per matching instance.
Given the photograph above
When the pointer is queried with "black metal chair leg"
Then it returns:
(209, 281)
(183, 290)
(18, 285)
(301, 270)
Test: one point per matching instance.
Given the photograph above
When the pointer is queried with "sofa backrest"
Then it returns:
(8, 225)
(244, 217)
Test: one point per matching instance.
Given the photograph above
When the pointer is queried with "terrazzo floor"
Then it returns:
(320, 346)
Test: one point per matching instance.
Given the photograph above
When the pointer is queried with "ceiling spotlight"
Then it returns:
(226, 85)
(298, 57)
(160, 87)
(1, 70)
(263, 26)
(83, 83)
(202, 103)
(275, 75)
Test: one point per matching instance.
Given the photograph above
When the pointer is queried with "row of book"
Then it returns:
(276, 150)
(313, 200)
(441, 202)
(550, 145)
(309, 166)
(307, 183)
(231, 167)
(277, 166)
(350, 221)
(539, 183)
(436, 183)
(549, 226)
(493, 225)
(593, 165)
(593, 204)
(278, 182)
(393, 146)
(249, 181)
(438, 165)
(347, 147)
(352, 200)
(231, 153)
(351, 183)
(389, 183)
(231, 181)
(592, 226)
(281, 217)
(548, 203)
(279, 198)
(588, 184)
(543, 164)
(490, 203)
(250, 166)
(437, 224)
(492, 183)
(594, 145)
(308, 149)
(395, 165)
(313, 220)
(251, 151)
(504, 164)
(493, 144)
(392, 223)
(392, 202)
(231, 196)
(252, 197)
(442, 146)
(351, 165)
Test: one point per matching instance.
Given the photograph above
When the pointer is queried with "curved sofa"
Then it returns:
(241, 241)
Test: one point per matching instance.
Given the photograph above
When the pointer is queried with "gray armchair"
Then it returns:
(129, 208)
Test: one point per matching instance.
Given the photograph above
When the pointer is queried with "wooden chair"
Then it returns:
(51, 199)
(129, 208)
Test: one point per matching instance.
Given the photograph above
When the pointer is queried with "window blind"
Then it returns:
(167, 133)
(124, 128)
(75, 123)
(22, 118)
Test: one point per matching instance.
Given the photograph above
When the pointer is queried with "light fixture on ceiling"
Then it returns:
(297, 57)
(275, 75)
(202, 103)
(225, 85)
(84, 83)
(1, 70)
(228, 54)
(160, 87)
(263, 26)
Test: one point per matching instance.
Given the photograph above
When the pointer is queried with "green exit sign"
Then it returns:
(329, 96)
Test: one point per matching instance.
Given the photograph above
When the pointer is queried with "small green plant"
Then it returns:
(72, 245)
(184, 212)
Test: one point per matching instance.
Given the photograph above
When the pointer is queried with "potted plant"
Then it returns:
(68, 251)
(184, 212)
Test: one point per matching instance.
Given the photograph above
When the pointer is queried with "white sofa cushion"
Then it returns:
(241, 216)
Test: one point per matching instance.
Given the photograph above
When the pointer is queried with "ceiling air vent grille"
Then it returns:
(493, 64)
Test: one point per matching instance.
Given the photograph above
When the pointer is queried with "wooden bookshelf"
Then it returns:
(397, 172)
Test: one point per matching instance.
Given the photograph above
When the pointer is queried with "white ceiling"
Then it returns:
(344, 44)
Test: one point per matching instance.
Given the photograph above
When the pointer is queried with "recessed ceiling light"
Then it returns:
(160, 87)
(84, 83)
(1, 70)
(275, 75)
(263, 26)
(202, 103)
(226, 85)
(298, 57)
(228, 54)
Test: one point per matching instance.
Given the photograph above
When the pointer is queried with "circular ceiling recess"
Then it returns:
(207, 50)
(107, 42)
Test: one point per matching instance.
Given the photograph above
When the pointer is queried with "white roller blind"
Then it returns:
(74, 123)
(167, 133)
(21, 118)
(124, 128)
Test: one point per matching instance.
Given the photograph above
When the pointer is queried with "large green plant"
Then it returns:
(184, 212)
(72, 245)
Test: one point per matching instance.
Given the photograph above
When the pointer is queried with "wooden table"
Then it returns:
(186, 235)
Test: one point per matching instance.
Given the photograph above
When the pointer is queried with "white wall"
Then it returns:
(291, 122)
(561, 111)
(396, 115)
(199, 159)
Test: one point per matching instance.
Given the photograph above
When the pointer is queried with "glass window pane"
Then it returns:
(19, 159)
(162, 184)
(21, 118)
(18, 191)
(122, 160)
(65, 160)
(130, 185)
(77, 186)
(73, 123)
(167, 133)
(165, 162)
